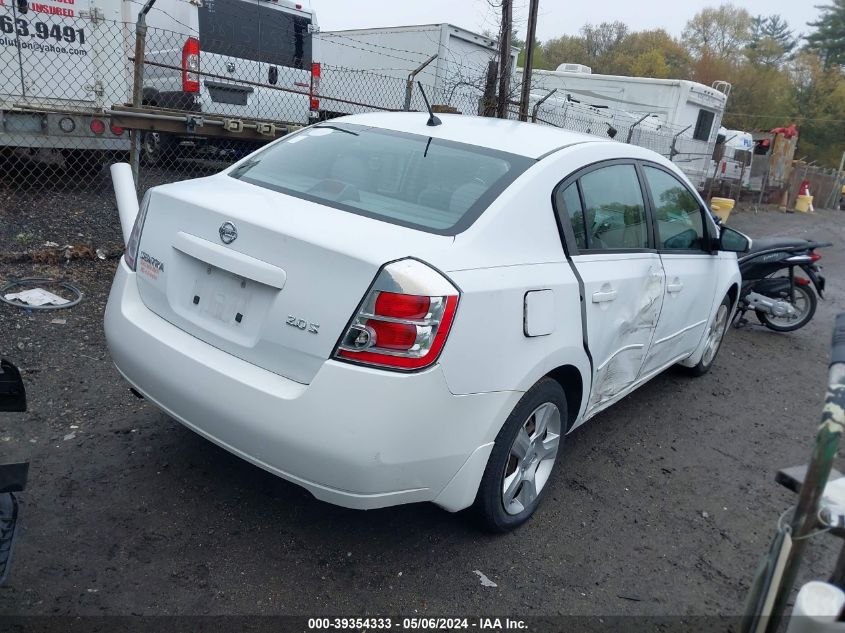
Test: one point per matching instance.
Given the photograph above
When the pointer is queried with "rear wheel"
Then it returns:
(523, 458)
(804, 301)
(157, 149)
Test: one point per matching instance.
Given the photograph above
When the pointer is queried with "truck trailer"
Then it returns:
(369, 69)
(65, 63)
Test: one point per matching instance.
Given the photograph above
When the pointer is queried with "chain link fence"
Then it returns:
(66, 96)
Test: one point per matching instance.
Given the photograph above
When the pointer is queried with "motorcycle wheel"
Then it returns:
(804, 300)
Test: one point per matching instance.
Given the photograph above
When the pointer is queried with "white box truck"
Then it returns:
(682, 118)
(368, 68)
(65, 63)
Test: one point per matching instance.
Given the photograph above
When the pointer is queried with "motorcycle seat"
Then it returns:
(772, 243)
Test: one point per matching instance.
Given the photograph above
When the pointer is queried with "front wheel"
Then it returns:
(804, 301)
(715, 335)
(523, 458)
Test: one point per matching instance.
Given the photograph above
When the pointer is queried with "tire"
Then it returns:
(512, 487)
(157, 149)
(715, 335)
(810, 303)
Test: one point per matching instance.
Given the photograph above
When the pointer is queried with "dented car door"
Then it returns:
(683, 241)
(621, 274)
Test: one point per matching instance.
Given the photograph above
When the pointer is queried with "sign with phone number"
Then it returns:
(25, 28)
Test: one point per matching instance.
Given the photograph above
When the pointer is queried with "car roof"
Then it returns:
(525, 139)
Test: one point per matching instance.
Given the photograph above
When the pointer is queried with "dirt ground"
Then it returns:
(663, 504)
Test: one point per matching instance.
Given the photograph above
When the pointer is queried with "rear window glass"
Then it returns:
(253, 32)
(416, 181)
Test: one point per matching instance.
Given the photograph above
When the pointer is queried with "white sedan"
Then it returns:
(385, 311)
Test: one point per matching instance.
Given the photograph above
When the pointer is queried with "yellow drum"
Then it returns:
(722, 207)
(804, 204)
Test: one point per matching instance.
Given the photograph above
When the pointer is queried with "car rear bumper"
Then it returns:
(355, 437)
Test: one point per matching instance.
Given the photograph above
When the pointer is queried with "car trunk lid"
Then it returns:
(269, 278)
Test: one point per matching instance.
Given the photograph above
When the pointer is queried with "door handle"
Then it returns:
(603, 296)
(675, 287)
(273, 75)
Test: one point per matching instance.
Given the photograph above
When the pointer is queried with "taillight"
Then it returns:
(315, 86)
(404, 320)
(115, 129)
(802, 282)
(814, 256)
(191, 65)
(131, 253)
(97, 126)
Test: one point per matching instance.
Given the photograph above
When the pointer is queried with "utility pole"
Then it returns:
(529, 60)
(505, 59)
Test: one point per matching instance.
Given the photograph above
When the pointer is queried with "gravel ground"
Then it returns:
(662, 505)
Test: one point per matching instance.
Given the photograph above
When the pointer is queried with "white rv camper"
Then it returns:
(676, 118)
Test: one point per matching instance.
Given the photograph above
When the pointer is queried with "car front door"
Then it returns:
(603, 215)
(684, 246)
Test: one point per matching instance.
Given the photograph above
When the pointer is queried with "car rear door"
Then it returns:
(602, 211)
(50, 52)
(230, 56)
(683, 242)
(11, 82)
(285, 68)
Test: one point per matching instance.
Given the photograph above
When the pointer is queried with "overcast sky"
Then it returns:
(556, 16)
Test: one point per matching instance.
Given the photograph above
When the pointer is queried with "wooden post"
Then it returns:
(529, 60)
(505, 59)
(488, 101)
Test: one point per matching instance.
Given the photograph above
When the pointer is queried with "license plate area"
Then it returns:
(221, 296)
(223, 304)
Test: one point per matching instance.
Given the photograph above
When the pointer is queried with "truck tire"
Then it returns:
(157, 149)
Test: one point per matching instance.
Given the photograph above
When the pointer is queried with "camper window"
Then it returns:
(704, 125)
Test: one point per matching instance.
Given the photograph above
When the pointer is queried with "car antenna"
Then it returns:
(432, 120)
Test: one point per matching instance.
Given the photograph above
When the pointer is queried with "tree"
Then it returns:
(828, 40)
(652, 53)
(771, 42)
(539, 62)
(565, 49)
(763, 97)
(650, 63)
(602, 40)
(820, 105)
(718, 31)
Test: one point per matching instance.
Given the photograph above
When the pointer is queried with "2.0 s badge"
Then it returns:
(302, 324)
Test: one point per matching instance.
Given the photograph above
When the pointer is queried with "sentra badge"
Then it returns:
(150, 266)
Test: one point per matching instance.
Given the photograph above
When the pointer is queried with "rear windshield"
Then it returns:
(416, 181)
(245, 30)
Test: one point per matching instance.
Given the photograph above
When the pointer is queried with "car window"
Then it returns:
(407, 179)
(677, 212)
(570, 200)
(614, 211)
(256, 33)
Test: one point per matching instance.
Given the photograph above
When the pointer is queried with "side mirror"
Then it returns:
(733, 241)
(12, 392)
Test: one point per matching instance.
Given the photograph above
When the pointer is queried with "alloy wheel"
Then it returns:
(531, 459)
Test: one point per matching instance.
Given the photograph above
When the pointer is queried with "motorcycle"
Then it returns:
(782, 300)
